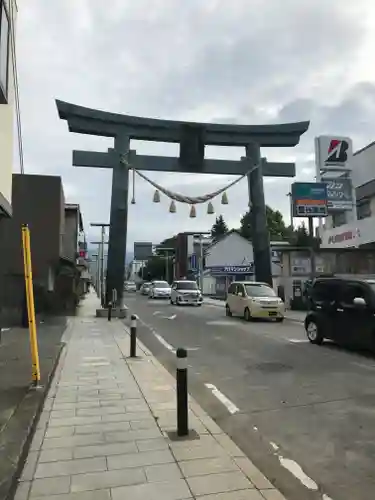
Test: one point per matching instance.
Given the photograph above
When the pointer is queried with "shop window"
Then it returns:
(4, 53)
(363, 209)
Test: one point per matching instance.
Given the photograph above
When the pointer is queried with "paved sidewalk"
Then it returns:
(103, 432)
(298, 316)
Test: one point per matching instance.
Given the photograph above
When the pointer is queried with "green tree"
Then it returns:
(219, 228)
(275, 223)
(301, 238)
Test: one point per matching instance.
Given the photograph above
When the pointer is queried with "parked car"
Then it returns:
(145, 287)
(252, 299)
(130, 286)
(159, 290)
(342, 310)
(186, 292)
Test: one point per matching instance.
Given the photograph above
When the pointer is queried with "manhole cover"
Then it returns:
(270, 367)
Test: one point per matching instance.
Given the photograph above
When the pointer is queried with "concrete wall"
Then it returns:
(7, 128)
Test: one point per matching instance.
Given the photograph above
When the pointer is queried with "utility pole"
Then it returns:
(201, 257)
(166, 252)
(291, 210)
(100, 267)
(101, 258)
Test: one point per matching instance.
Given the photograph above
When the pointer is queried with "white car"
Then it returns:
(251, 300)
(145, 288)
(130, 286)
(159, 290)
(186, 292)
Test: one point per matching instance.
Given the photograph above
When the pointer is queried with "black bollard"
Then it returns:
(109, 311)
(182, 393)
(133, 336)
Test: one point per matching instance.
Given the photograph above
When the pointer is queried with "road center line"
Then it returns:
(231, 407)
(164, 342)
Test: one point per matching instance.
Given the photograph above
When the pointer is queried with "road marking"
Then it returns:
(297, 472)
(164, 342)
(155, 313)
(274, 445)
(298, 341)
(363, 365)
(219, 322)
(231, 407)
(174, 316)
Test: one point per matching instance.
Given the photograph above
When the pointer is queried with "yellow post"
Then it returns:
(30, 304)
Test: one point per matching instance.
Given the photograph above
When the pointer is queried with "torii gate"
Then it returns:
(192, 137)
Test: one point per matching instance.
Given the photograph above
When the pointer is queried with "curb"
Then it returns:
(9, 495)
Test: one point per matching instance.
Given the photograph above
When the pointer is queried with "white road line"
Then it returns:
(363, 365)
(231, 407)
(298, 341)
(174, 316)
(298, 472)
(155, 313)
(164, 342)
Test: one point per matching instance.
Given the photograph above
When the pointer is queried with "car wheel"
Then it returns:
(247, 314)
(279, 320)
(313, 332)
(228, 312)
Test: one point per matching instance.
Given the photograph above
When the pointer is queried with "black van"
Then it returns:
(342, 310)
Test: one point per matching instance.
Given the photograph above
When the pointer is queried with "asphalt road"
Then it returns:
(290, 405)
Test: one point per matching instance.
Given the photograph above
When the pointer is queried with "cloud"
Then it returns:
(255, 62)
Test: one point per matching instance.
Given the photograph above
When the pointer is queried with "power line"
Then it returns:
(16, 88)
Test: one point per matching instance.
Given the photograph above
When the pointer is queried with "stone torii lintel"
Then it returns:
(100, 159)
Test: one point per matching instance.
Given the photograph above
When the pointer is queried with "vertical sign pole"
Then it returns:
(30, 305)
(166, 267)
(102, 293)
(201, 263)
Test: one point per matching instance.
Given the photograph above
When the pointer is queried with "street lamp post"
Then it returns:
(101, 254)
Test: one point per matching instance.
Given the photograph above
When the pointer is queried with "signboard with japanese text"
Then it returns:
(339, 194)
(309, 199)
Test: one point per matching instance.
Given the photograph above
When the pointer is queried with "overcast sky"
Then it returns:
(244, 61)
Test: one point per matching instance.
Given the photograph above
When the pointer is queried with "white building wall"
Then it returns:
(7, 115)
(362, 165)
(230, 251)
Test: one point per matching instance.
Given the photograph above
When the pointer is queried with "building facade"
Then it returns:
(8, 15)
(38, 201)
(231, 258)
(355, 228)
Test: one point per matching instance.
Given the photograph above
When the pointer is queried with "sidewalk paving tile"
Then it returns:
(51, 486)
(206, 466)
(88, 495)
(171, 490)
(139, 459)
(103, 437)
(234, 495)
(220, 483)
(107, 479)
(69, 467)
